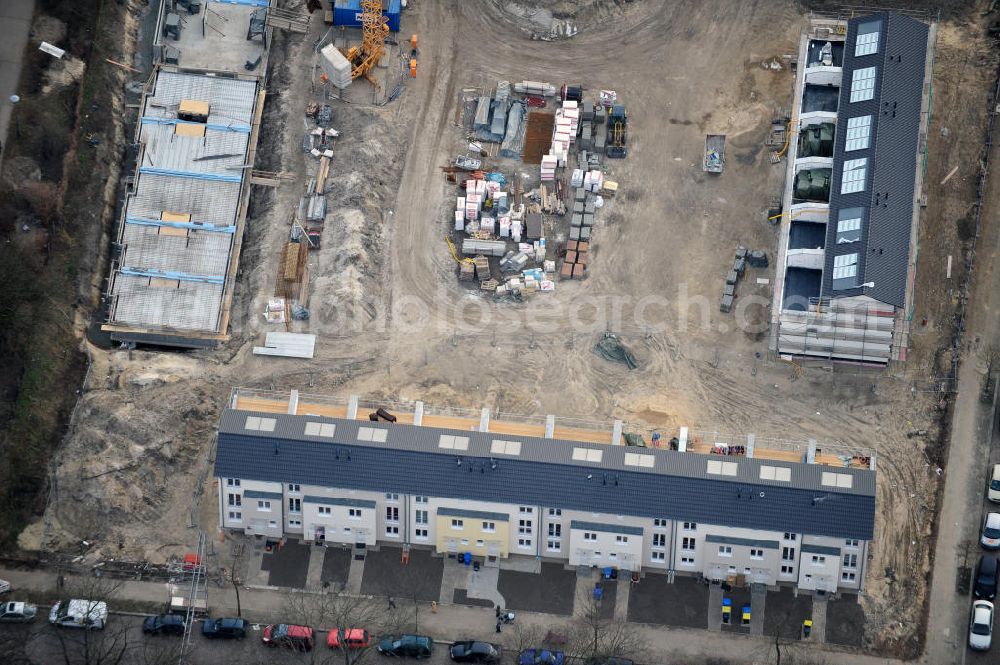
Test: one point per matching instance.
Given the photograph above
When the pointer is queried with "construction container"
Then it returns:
(347, 13)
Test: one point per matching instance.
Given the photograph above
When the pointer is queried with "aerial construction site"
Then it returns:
(612, 223)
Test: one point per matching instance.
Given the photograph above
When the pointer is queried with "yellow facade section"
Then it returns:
(466, 534)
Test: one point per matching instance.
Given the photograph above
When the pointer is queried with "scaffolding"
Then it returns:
(188, 591)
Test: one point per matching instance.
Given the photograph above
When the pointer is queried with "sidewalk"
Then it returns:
(15, 23)
(453, 622)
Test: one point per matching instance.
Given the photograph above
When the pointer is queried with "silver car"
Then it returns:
(981, 625)
(991, 531)
(14, 612)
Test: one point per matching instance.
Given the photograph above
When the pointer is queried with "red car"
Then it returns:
(536, 101)
(299, 638)
(350, 638)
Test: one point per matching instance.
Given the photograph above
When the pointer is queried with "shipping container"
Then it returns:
(347, 13)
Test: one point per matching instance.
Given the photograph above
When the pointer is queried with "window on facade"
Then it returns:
(524, 542)
(457, 524)
(858, 133)
(657, 556)
(853, 178)
(555, 512)
(354, 513)
(851, 542)
(725, 550)
(687, 561)
(788, 554)
(374, 434)
(295, 523)
(235, 515)
(389, 496)
(420, 499)
(553, 545)
(420, 517)
(392, 513)
(621, 539)
(756, 553)
(392, 531)
(452, 442)
(420, 534)
(788, 570)
(294, 505)
(464, 542)
(272, 524)
(588, 454)
(690, 526)
(818, 560)
(524, 526)
(687, 544)
(588, 535)
(790, 536)
(849, 228)
(235, 500)
(555, 530)
(324, 510)
(863, 84)
(660, 523)
(233, 482)
(294, 487)
(526, 510)
(845, 271)
(480, 543)
(489, 526)
(659, 540)
(732, 569)
(848, 577)
(258, 424)
(850, 561)
(322, 430)
(264, 505)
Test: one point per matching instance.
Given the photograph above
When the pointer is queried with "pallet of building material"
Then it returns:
(566, 272)
(466, 271)
(471, 246)
(322, 173)
(482, 265)
(726, 304)
(489, 285)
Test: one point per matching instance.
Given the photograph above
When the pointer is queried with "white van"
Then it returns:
(79, 614)
(993, 493)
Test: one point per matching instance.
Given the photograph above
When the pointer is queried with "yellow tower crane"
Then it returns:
(374, 30)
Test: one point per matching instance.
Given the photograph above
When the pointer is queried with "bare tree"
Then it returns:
(109, 645)
(342, 612)
(596, 637)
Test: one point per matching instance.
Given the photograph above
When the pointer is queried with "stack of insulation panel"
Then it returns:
(549, 163)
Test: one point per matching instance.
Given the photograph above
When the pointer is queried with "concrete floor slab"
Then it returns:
(655, 600)
(551, 591)
(216, 38)
(336, 567)
(288, 565)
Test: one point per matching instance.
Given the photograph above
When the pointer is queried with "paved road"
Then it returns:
(15, 22)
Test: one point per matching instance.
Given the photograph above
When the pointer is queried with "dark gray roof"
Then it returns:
(257, 494)
(887, 199)
(473, 514)
(606, 528)
(337, 501)
(820, 549)
(743, 542)
(677, 486)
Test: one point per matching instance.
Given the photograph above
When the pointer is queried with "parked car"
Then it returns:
(76, 613)
(991, 531)
(349, 638)
(541, 657)
(164, 624)
(535, 101)
(224, 628)
(4, 586)
(14, 612)
(470, 651)
(986, 577)
(411, 646)
(993, 493)
(295, 637)
(981, 625)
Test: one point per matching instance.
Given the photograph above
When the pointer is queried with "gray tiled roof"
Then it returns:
(337, 501)
(545, 474)
(887, 198)
(742, 542)
(606, 528)
(820, 549)
(473, 514)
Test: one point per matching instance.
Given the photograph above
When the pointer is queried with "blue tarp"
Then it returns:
(141, 221)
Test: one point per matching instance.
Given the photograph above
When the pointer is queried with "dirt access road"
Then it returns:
(394, 324)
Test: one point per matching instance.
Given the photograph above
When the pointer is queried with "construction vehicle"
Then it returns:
(374, 30)
(617, 132)
(715, 153)
(468, 163)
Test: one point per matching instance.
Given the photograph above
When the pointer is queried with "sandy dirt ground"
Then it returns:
(394, 323)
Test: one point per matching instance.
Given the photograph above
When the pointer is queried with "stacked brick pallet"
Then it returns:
(575, 263)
